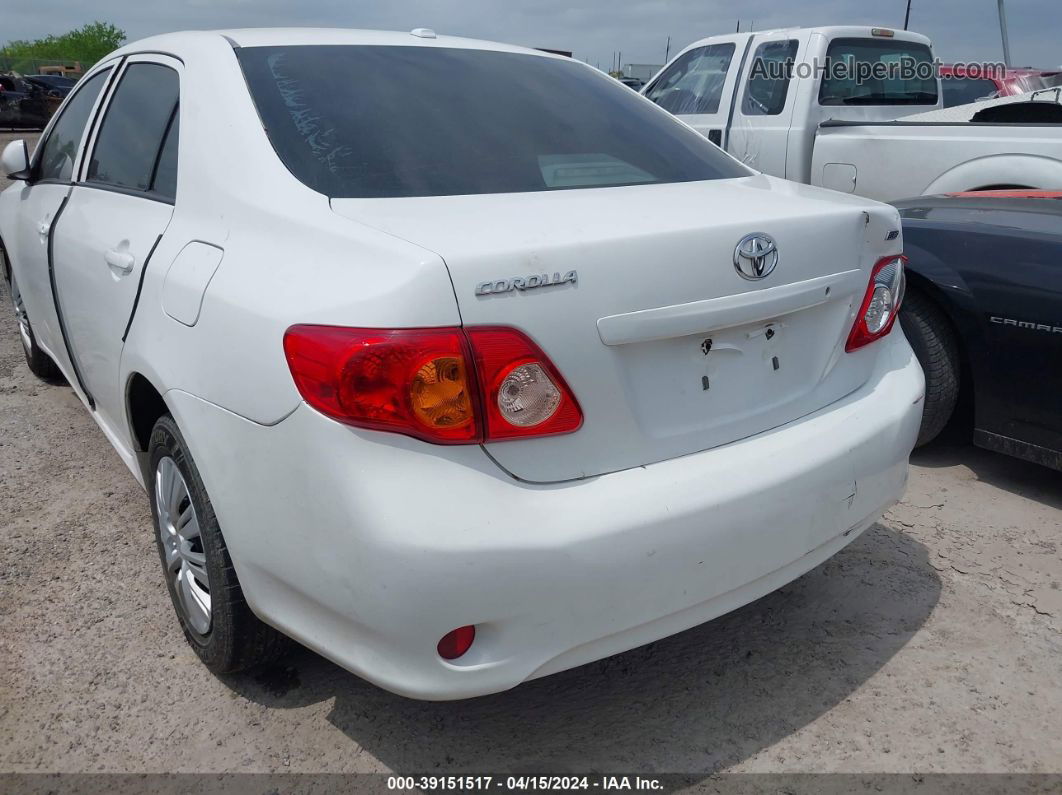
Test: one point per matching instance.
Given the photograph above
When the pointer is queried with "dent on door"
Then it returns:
(187, 280)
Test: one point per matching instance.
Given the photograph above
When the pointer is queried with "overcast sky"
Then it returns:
(593, 29)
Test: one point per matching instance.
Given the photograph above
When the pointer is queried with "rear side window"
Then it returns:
(57, 157)
(694, 83)
(878, 72)
(135, 126)
(769, 78)
(438, 121)
(962, 90)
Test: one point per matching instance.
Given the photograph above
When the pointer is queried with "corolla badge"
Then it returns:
(756, 256)
(522, 283)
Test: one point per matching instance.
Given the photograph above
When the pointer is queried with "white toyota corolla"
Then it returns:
(459, 363)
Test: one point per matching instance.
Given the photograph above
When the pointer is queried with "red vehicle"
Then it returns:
(963, 85)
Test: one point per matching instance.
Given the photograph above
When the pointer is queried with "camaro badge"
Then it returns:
(526, 282)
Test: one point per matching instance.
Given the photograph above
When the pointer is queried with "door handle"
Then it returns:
(43, 228)
(121, 261)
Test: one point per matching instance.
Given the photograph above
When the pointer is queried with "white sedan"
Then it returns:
(459, 363)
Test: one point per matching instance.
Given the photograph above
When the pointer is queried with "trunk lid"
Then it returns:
(668, 350)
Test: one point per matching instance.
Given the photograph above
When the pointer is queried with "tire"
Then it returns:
(931, 336)
(196, 562)
(40, 363)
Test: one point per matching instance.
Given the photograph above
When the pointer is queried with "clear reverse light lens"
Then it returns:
(881, 303)
(527, 396)
(888, 293)
(880, 309)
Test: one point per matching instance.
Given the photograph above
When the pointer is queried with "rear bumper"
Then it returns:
(369, 547)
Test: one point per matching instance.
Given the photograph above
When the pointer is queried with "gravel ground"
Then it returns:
(932, 644)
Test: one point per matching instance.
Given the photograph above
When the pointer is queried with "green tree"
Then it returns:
(86, 44)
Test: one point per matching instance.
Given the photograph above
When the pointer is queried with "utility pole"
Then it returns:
(907, 19)
(1003, 33)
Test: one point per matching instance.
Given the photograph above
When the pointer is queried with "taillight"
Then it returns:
(881, 304)
(412, 381)
(443, 385)
(523, 394)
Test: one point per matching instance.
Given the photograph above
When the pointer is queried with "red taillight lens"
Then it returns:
(412, 381)
(445, 385)
(456, 642)
(523, 394)
(881, 304)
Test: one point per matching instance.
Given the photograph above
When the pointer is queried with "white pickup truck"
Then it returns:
(777, 101)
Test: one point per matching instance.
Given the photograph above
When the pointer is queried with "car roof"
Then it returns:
(185, 41)
(831, 31)
(1028, 70)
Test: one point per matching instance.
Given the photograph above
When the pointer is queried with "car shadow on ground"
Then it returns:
(698, 702)
(1032, 481)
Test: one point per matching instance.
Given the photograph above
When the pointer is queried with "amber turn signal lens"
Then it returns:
(440, 395)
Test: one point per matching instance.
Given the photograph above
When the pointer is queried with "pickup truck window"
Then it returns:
(769, 78)
(963, 90)
(440, 121)
(694, 83)
(867, 81)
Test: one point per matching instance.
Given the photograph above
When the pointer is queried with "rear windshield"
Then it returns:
(878, 72)
(435, 121)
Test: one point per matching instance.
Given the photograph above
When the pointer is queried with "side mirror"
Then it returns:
(15, 160)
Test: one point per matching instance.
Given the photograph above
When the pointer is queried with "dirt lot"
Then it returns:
(933, 643)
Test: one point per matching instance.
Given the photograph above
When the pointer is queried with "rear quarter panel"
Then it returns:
(896, 161)
(993, 268)
(287, 258)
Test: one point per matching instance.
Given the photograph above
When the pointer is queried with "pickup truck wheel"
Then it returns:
(40, 363)
(931, 336)
(200, 577)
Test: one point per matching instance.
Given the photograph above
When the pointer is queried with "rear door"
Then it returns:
(1016, 276)
(115, 215)
(699, 84)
